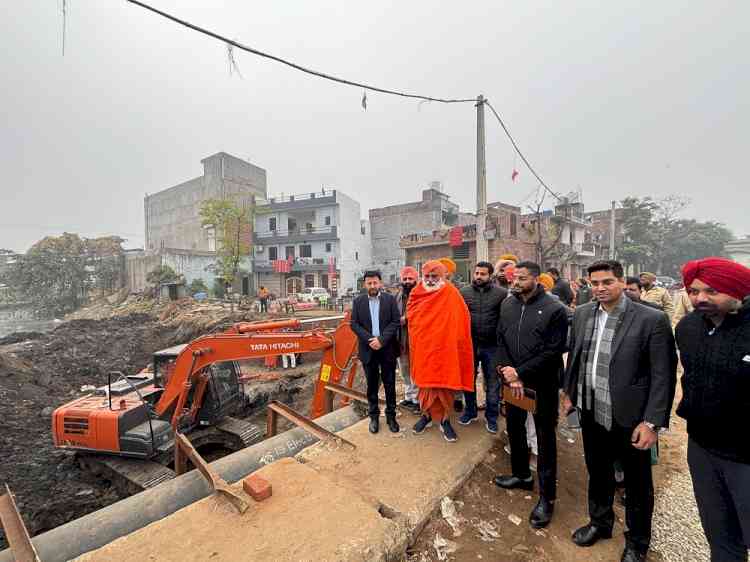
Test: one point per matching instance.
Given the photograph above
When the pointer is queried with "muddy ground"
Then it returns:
(39, 372)
(494, 522)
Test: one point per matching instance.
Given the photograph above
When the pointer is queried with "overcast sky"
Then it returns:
(614, 98)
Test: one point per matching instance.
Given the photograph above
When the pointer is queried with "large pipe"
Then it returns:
(101, 527)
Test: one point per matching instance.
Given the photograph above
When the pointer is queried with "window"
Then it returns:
(356, 256)
(211, 235)
(305, 251)
(328, 247)
(291, 224)
(272, 223)
(289, 252)
(324, 280)
(309, 280)
(273, 253)
(328, 221)
(363, 230)
(309, 227)
(514, 225)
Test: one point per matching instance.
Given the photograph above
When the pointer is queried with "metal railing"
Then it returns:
(299, 231)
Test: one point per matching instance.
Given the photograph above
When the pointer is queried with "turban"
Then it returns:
(721, 274)
(408, 270)
(648, 274)
(434, 266)
(449, 264)
(509, 257)
(545, 279)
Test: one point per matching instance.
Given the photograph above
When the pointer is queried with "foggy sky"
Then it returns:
(614, 98)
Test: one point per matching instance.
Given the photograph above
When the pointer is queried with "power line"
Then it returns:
(518, 151)
(291, 64)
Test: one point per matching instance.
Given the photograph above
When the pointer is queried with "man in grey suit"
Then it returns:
(621, 375)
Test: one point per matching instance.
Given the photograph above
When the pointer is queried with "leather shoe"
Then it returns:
(374, 425)
(632, 555)
(588, 535)
(541, 515)
(392, 425)
(511, 483)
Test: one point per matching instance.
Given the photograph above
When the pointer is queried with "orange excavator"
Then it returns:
(128, 427)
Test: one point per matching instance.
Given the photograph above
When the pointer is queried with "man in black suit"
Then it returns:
(376, 321)
(621, 375)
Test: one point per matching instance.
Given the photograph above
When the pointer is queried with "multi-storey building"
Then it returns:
(389, 224)
(320, 236)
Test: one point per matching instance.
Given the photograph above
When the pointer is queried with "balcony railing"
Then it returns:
(437, 237)
(303, 196)
(298, 265)
(299, 231)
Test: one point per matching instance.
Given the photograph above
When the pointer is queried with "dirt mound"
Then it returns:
(41, 373)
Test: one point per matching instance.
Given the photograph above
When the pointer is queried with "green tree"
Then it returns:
(658, 240)
(52, 275)
(232, 226)
(161, 274)
(198, 286)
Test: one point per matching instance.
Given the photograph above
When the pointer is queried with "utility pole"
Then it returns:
(612, 231)
(481, 241)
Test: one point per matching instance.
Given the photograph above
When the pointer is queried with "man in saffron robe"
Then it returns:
(440, 345)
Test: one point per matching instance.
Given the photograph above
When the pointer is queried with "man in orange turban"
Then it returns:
(450, 268)
(441, 357)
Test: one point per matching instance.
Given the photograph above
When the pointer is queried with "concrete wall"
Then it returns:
(739, 251)
(172, 215)
(389, 224)
(353, 256)
(191, 265)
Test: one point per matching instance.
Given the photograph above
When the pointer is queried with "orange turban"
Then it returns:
(408, 270)
(449, 264)
(510, 257)
(434, 266)
(545, 279)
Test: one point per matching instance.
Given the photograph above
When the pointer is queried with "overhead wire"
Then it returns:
(291, 64)
(520, 154)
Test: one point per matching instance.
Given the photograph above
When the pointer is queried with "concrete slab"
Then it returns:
(406, 474)
(330, 503)
(307, 518)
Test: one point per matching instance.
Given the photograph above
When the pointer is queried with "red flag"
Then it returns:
(514, 175)
(456, 236)
(331, 265)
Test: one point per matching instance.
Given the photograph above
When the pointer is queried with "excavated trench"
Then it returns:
(39, 372)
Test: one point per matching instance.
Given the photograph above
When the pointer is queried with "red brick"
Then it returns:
(257, 487)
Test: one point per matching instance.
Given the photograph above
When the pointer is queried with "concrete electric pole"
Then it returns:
(481, 241)
(612, 231)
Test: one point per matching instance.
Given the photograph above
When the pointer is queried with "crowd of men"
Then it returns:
(515, 324)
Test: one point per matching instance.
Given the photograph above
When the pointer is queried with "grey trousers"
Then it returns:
(722, 492)
(411, 391)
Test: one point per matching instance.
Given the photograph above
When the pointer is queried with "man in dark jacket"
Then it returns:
(531, 336)
(483, 300)
(376, 321)
(562, 287)
(621, 375)
(714, 343)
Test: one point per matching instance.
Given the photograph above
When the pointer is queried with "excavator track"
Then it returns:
(127, 475)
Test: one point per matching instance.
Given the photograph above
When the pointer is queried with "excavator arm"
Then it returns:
(248, 341)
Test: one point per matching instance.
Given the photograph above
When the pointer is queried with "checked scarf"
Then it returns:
(593, 392)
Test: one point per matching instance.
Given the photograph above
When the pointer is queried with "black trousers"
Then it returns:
(601, 448)
(722, 491)
(381, 368)
(545, 421)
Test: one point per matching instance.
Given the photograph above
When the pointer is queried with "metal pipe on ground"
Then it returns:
(101, 527)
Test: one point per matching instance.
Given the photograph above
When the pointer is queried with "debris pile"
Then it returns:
(39, 372)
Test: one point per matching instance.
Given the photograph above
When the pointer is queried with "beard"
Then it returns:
(432, 286)
(407, 287)
(373, 292)
(479, 283)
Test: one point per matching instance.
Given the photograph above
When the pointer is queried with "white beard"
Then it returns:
(436, 287)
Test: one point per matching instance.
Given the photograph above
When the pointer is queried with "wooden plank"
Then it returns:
(15, 530)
